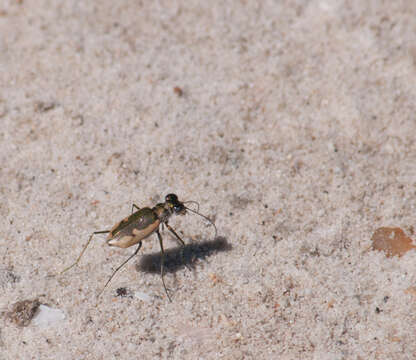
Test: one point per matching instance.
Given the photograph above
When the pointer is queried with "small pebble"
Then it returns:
(47, 316)
(143, 296)
(23, 312)
(392, 241)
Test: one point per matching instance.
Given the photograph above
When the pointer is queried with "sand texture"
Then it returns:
(291, 123)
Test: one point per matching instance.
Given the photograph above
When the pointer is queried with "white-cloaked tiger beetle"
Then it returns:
(140, 225)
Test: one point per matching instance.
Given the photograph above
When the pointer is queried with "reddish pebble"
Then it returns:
(393, 241)
(178, 91)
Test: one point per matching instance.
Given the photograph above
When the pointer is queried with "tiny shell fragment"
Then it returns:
(393, 241)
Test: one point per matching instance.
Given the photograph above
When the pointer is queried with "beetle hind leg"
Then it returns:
(83, 250)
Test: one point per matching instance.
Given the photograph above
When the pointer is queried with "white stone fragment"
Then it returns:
(143, 296)
(47, 316)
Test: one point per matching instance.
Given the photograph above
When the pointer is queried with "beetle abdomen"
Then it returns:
(133, 228)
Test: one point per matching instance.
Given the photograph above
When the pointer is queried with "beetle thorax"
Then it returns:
(162, 211)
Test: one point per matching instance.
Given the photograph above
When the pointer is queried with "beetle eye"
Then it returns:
(171, 198)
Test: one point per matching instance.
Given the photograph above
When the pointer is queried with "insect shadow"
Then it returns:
(174, 261)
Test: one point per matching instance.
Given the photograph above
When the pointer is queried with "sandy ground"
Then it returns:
(292, 123)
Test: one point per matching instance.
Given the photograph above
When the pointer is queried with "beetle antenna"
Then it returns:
(193, 202)
(205, 217)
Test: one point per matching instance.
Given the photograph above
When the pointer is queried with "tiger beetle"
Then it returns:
(140, 225)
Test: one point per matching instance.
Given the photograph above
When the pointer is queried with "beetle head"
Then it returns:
(174, 205)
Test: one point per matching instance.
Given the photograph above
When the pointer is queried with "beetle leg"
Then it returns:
(85, 247)
(134, 206)
(162, 261)
(124, 263)
(181, 242)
